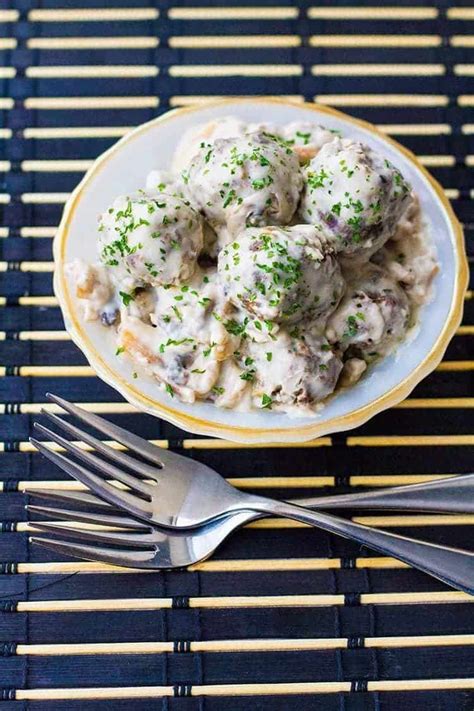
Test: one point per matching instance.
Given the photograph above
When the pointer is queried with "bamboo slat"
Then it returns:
(411, 441)
(31, 267)
(372, 13)
(66, 43)
(233, 41)
(115, 71)
(259, 689)
(75, 132)
(447, 597)
(379, 40)
(80, 103)
(55, 166)
(90, 14)
(242, 645)
(245, 70)
(462, 41)
(37, 231)
(44, 198)
(419, 520)
(456, 365)
(9, 15)
(233, 13)
(8, 43)
(422, 100)
(416, 129)
(460, 13)
(218, 566)
(389, 70)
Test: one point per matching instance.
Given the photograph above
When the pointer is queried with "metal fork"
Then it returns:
(139, 545)
(185, 494)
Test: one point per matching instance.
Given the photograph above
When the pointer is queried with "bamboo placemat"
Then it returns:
(282, 617)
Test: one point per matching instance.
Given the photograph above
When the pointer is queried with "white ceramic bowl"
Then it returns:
(123, 169)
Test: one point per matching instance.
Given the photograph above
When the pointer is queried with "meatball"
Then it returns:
(356, 194)
(372, 317)
(244, 182)
(292, 372)
(150, 239)
(306, 138)
(281, 274)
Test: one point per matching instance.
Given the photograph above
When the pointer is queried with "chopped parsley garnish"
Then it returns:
(248, 375)
(352, 327)
(207, 351)
(304, 136)
(119, 350)
(177, 312)
(151, 269)
(316, 180)
(169, 389)
(127, 298)
(267, 401)
(228, 198)
(234, 327)
(173, 342)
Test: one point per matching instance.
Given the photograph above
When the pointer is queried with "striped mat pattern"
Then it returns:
(282, 617)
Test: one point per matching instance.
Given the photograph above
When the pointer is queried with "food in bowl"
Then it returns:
(271, 266)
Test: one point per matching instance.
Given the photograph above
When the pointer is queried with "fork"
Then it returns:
(152, 547)
(186, 494)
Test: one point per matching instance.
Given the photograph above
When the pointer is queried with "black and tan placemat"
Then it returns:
(283, 617)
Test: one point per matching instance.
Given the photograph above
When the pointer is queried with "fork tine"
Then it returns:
(115, 496)
(137, 444)
(103, 467)
(73, 497)
(86, 517)
(101, 447)
(129, 540)
(122, 558)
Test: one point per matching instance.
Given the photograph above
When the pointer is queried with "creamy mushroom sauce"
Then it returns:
(270, 266)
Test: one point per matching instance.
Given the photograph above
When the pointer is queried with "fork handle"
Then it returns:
(450, 495)
(453, 566)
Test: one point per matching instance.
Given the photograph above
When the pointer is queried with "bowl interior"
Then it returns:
(124, 169)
